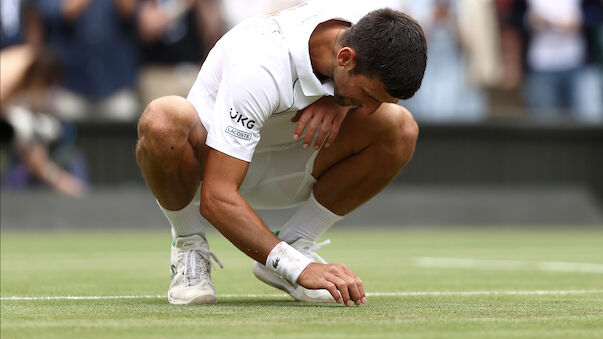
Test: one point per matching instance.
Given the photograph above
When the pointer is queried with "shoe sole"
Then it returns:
(199, 300)
(296, 292)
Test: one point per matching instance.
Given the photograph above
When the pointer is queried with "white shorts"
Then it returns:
(279, 179)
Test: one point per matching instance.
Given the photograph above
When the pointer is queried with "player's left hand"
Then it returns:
(324, 113)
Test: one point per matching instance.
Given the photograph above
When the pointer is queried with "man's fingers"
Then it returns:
(337, 121)
(352, 289)
(342, 286)
(302, 122)
(329, 286)
(322, 134)
(361, 290)
(297, 115)
(358, 282)
(352, 282)
(334, 131)
(314, 124)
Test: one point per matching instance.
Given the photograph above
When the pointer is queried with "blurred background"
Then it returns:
(510, 110)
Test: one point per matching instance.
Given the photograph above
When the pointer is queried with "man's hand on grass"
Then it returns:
(343, 284)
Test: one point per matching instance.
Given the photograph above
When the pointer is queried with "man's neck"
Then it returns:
(323, 46)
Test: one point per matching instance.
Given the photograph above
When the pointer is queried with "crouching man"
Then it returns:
(234, 145)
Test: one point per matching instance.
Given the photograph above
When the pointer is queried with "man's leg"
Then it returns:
(171, 153)
(368, 153)
(171, 150)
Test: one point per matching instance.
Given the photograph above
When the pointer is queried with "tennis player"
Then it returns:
(297, 107)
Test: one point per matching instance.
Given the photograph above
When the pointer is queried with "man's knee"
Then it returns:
(398, 136)
(165, 124)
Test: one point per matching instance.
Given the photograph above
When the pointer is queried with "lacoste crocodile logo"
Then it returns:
(275, 262)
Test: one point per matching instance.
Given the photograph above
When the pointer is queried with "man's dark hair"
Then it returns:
(391, 46)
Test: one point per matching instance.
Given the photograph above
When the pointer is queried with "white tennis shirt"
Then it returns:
(259, 75)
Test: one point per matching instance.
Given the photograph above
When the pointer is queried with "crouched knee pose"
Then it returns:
(233, 145)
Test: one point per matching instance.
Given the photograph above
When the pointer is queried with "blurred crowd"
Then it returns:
(494, 56)
(64, 61)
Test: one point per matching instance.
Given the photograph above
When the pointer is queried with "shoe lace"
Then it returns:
(194, 261)
(308, 251)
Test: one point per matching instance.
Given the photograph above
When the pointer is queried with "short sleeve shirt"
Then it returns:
(259, 75)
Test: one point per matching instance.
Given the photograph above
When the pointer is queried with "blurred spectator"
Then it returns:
(10, 16)
(559, 39)
(463, 49)
(96, 43)
(598, 37)
(19, 23)
(511, 75)
(25, 78)
(11, 19)
(175, 37)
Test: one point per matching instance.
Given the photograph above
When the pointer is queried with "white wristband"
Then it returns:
(287, 262)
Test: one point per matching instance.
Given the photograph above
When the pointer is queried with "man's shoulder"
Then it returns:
(257, 44)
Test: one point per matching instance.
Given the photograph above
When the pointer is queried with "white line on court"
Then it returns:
(374, 294)
(551, 266)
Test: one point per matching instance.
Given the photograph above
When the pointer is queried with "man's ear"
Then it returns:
(346, 58)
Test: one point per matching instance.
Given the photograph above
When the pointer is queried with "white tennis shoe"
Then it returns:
(296, 291)
(190, 269)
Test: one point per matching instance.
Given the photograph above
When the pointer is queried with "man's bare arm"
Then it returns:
(225, 208)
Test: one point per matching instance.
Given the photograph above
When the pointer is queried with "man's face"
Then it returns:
(364, 92)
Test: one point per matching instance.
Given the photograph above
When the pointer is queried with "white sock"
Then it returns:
(185, 222)
(309, 222)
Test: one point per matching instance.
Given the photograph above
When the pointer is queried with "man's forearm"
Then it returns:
(230, 214)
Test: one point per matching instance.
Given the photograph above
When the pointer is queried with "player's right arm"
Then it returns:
(231, 215)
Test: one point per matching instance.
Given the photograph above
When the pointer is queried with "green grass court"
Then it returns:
(496, 284)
